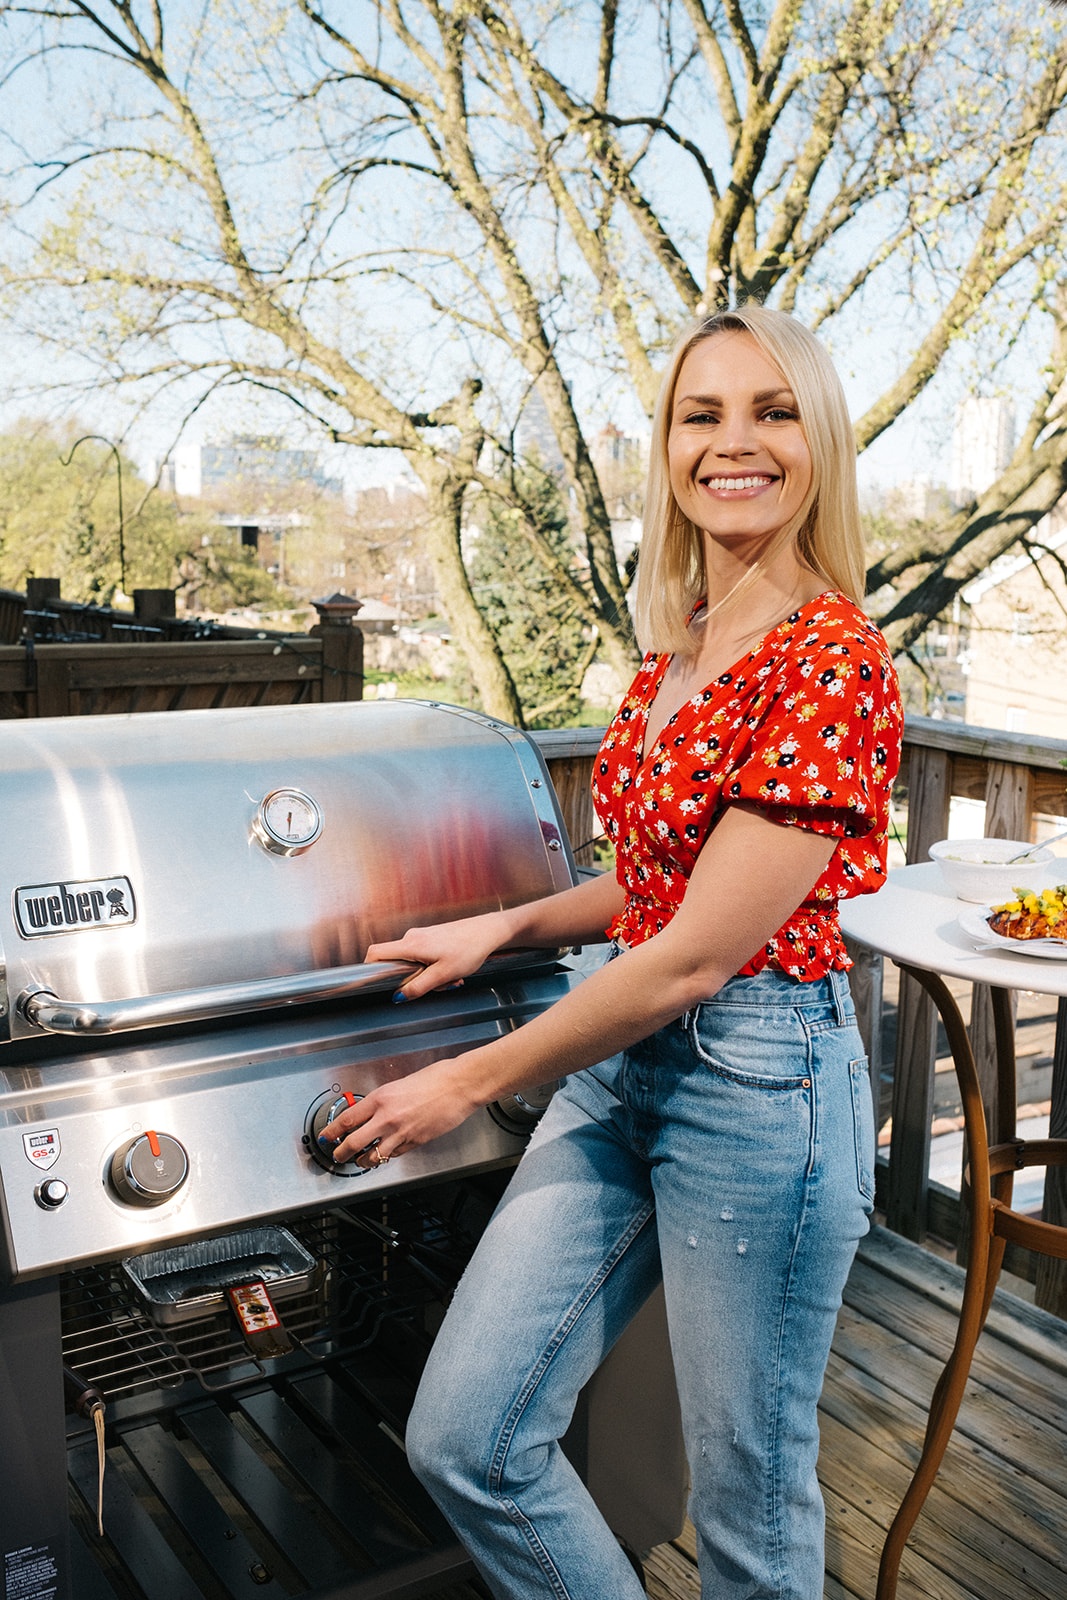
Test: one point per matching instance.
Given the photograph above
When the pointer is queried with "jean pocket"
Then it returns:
(863, 1124)
(766, 1050)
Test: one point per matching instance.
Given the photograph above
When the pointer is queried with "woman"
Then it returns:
(716, 1123)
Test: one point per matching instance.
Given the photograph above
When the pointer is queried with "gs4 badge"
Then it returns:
(46, 908)
(42, 1148)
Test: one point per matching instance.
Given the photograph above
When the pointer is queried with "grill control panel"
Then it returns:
(141, 1147)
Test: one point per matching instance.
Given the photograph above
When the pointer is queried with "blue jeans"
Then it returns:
(733, 1153)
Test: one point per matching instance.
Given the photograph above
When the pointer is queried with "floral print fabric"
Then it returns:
(807, 727)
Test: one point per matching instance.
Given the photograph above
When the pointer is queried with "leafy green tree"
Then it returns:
(533, 615)
(59, 516)
(60, 499)
(217, 573)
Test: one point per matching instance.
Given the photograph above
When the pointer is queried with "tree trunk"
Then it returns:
(470, 631)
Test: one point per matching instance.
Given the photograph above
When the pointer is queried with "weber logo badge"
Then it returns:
(45, 908)
(42, 1147)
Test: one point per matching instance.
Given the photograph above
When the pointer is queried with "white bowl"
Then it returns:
(978, 870)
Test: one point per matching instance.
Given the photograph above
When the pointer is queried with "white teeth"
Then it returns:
(738, 483)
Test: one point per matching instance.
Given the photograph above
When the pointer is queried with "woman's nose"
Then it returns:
(736, 435)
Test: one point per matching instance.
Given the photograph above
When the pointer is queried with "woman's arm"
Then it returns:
(749, 878)
(451, 950)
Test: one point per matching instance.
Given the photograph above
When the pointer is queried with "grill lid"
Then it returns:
(182, 865)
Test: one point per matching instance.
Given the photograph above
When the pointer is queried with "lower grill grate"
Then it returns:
(386, 1260)
(279, 1478)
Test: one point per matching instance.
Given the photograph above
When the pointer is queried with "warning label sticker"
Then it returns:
(30, 1573)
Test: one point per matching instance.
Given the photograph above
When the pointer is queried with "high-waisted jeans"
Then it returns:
(733, 1153)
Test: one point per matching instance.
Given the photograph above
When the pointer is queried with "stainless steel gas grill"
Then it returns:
(192, 1291)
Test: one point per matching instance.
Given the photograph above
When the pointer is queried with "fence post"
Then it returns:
(1051, 1289)
(39, 591)
(929, 791)
(154, 605)
(52, 671)
(342, 647)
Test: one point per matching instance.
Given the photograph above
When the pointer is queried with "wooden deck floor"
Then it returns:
(995, 1524)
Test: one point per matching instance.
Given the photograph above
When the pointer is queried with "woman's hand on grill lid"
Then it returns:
(448, 952)
(445, 953)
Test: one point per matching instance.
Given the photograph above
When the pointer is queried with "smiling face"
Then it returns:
(739, 463)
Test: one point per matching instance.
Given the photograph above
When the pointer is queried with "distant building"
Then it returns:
(1015, 647)
(621, 461)
(612, 448)
(276, 499)
(916, 500)
(982, 445)
(535, 436)
(245, 463)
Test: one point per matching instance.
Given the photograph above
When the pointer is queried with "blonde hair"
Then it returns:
(670, 571)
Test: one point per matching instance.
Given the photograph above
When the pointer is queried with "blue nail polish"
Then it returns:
(327, 1144)
(399, 997)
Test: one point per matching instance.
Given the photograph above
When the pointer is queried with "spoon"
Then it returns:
(1031, 848)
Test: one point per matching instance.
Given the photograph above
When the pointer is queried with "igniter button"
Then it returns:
(51, 1193)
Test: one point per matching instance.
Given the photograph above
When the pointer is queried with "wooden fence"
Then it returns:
(74, 660)
(62, 680)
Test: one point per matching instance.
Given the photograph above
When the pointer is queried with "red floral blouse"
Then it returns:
(807, 727)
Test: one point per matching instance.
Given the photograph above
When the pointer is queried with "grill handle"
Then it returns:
(48, 1012)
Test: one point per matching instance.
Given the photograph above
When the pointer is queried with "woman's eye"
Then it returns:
(780, 414)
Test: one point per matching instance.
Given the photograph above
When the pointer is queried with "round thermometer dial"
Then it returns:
(287, 822)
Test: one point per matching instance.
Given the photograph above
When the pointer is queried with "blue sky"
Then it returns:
(866, 348)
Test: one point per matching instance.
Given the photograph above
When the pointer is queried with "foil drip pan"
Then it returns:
(188, 1281)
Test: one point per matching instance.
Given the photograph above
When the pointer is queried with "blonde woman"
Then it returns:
(715, 1127)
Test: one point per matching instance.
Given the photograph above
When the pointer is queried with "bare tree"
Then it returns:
(907, 158)
(405, 216)
(161, 254)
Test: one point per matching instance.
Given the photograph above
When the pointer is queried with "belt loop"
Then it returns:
(839, 992)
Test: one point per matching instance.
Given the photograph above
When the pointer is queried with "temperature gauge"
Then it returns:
(287, 822)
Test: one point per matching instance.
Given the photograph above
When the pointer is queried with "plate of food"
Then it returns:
(1032, 923)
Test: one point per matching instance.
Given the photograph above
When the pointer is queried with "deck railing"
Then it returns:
(1018, 778)
(62, 659)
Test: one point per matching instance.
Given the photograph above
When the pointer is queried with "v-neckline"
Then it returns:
(668, 656)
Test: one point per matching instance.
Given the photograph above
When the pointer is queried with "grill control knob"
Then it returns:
(520, 1113)
(322, 1114)
(149, 1169)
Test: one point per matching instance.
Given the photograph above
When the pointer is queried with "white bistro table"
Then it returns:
(915, 921)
